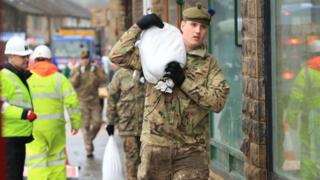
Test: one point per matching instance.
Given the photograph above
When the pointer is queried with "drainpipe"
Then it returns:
(49, 28)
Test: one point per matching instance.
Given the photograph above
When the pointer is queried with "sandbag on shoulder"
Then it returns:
(157, 48)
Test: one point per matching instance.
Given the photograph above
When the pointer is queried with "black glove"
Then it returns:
(150, 20)
(175, 72)
(110, 129)
(28, 115)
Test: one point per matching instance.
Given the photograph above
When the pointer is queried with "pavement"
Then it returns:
(89, 168)
(86, 168)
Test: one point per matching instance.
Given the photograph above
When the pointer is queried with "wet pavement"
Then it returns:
(90, 168)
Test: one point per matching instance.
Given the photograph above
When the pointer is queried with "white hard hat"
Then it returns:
(314, 47)
(17, 46)
(41, 51)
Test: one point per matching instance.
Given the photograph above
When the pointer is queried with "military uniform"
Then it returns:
(125, 110)
(175, 137)
(86, 84)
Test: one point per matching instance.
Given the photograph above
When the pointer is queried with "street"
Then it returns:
(90, 168)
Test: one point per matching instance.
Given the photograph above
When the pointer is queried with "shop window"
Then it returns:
(189, 3)
(224, 42)
(147, 7)
(296, 85)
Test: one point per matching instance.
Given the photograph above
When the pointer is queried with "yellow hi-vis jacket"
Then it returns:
(16, 98)
(51, 92)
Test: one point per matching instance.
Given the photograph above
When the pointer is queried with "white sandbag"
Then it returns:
(157, 48)
(112, 167)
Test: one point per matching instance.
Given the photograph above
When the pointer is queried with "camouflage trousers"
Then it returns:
(172, 163)
(91, 122)
(131, 146)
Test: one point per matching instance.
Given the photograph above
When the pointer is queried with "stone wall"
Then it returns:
(137, 10)
(158, 7)
(254, 116)
(116, 19)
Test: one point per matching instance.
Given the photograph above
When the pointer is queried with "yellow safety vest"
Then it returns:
(50, 94)
(15, 97)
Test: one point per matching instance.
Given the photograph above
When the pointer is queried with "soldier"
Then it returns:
(86, 80)
(175, 138)
(125, 110)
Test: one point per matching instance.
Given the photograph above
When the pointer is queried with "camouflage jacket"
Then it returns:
(126, 101)
(180, 118)
(86, 84)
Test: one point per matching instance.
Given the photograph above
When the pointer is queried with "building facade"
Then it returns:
(39, 20)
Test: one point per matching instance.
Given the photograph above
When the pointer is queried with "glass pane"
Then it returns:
(147, 6)
(69, 48)
(172, 12)
(188, 3)
(296, 85)
(227, 125)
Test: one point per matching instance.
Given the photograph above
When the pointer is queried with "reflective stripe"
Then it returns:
(50, 116)
(39, 156)
(43, 155)
(73, 111)
(59, 162)
(58, 86)
(46, 164)
(59, 155)
(45, 95)
(18, 88)
(4, 106)
(65, 94)
(20, 104)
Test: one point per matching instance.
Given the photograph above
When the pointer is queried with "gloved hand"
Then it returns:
(82, 69)
(175, 72)
(150, 20)
(28, 115)
(110, 129)
(92, 68)
(74, 131)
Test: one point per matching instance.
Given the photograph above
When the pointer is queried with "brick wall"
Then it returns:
(99, 17)
(116, 21)
(254, 116)
(137, 10)
(41, 30)
(157, 7)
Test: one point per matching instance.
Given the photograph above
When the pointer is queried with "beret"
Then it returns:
(198, 13)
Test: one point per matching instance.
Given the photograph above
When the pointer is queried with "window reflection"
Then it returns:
(189, 3)
(69, 48)
(228, 123)
(297, 71)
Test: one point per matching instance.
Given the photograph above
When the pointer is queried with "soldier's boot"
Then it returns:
(89, 149)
